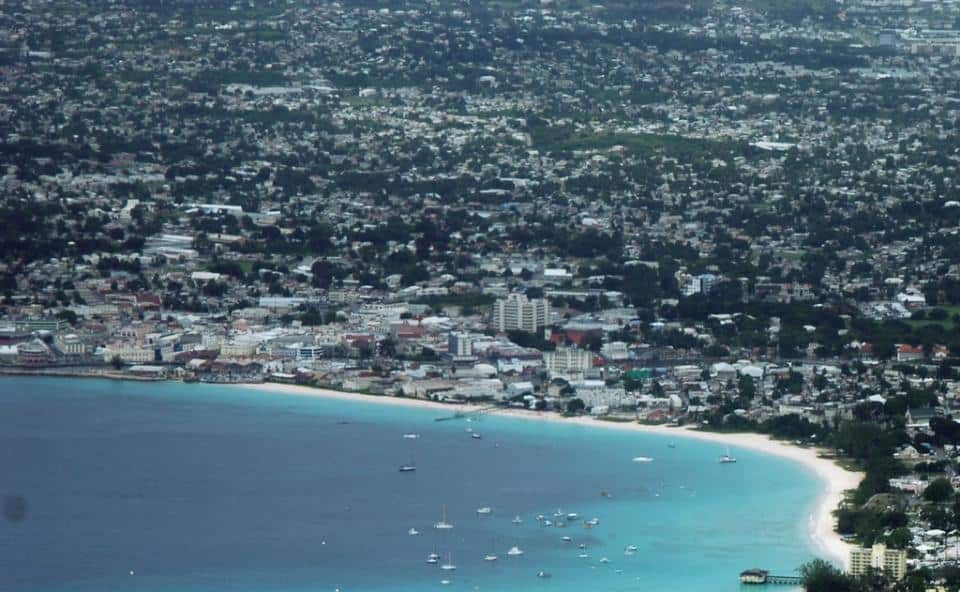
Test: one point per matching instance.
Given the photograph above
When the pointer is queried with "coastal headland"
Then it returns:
(836, 479)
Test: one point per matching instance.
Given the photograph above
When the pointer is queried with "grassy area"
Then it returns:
(948, 324)
(563, 139)
(796, 9)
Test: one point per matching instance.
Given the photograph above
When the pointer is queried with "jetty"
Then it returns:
(761, 576)
(465, 414)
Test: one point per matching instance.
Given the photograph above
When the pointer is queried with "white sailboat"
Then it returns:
(449, 565)
(443, 524)
(409, 467)
(727, 457)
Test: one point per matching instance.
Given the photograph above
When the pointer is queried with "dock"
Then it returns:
(465, 414)
(761, 577)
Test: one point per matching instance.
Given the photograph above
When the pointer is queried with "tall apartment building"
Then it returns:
(568, 359)
(516, 311)
(891, 562)
(460, 345)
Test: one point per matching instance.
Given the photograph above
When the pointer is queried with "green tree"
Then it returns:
(746, 387)
(899, 538)
(938, 491)
(575, 406)
(68, 316)
(821, 576)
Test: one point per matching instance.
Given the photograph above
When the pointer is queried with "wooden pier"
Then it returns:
(762, 576)
(464, 414)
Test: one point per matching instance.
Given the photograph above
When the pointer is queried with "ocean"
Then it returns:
(168, 487)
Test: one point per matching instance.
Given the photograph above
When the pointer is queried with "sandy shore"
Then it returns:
(835, 479)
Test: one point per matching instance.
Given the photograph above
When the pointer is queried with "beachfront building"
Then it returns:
(568, 359)
(517, 312)
(891, 562)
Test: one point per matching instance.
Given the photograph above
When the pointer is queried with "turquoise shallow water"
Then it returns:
(210, 488)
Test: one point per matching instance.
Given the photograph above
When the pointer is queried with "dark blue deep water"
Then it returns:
(211, 488)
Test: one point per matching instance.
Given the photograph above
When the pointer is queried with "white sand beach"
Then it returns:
(835, 479)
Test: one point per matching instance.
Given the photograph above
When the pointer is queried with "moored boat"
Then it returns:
(443, 524)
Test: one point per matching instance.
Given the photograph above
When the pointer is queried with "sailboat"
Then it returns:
(443, 524)
(727, 458)
(409, 467)
(491, 556)
(448, 566)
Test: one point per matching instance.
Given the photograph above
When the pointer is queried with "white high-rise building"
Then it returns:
(568, 359)
(516, 311)
(460, 345)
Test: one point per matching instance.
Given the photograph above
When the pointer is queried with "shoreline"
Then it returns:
(835, 479)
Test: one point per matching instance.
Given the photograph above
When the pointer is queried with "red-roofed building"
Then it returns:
(907, 352)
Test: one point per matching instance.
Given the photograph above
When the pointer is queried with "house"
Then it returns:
(919, 418)
(907, 352)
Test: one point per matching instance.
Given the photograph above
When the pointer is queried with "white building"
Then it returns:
(615, 350)
(568, 359)
(238, 350)
(460, 345)
(517, 312)
(130, 354)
